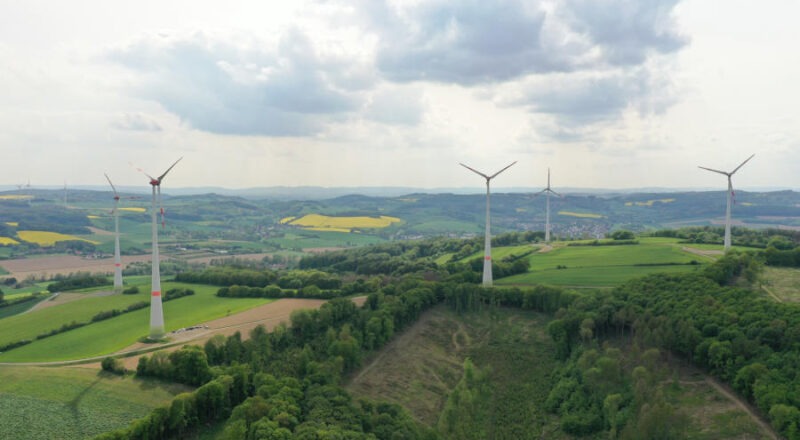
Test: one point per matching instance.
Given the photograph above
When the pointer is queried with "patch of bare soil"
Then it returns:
(711, 254)
(98, 231)
(319, 250)
(544, 249)
(65, 264)
(207, 258)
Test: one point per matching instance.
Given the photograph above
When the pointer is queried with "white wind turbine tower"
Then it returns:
(487, 247)
(727, 243)
(156, 310)
(547, 191)
(117, 258)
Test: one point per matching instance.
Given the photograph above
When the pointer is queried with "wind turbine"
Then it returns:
(727, 242)
(117, 259)
(487, 247)
(547, 191)
(156, 311)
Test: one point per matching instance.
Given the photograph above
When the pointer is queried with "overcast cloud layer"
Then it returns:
(377, 93)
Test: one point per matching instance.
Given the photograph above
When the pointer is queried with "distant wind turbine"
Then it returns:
(547, 191)
(727, 242)
(117, 258)
(156, 310)
(487, 247)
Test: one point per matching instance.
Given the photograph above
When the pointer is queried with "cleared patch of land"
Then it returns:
(65, 264)
(73, 403)
(783, 282)
(420, 368)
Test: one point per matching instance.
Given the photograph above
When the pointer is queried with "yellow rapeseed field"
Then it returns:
(287, 220)
(46, 238)
(93, 217)
(133, 209)
(15, 197)
(5, 241)
(319, 222)
(649, 202)
(580, 214)
(12, 224)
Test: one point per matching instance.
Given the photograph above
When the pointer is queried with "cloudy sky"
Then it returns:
(607, 93)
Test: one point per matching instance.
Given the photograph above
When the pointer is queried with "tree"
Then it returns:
(623, 235)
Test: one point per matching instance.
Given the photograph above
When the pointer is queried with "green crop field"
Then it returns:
(114, 334)
(41, 321)
(318, 239)
(602, 266)
(68, 403)
(590, 276)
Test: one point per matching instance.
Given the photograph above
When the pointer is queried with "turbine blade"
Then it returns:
(548, 178)
(742, 164)
(474, 170)
(168, 169)
(112, 185)
(555, 193)
(140, 170)
(507, 167)
(713, 170)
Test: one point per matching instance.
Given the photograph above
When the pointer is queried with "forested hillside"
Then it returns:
(288, 383)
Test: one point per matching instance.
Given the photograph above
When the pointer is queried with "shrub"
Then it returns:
(113, 365)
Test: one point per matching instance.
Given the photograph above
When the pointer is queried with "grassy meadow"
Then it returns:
(322, 239)
(601, 266)
(113, 334)
(67, 403)
(783, 282)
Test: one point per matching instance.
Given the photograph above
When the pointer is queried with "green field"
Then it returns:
(73, 403)
(318, 239)
(783, 282)
(600, 276)
(113, 334)
(602, 266)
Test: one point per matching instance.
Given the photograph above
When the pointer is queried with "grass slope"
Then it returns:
(114, 334)
(421, 367)
(593, 266)
(73, 403)
(783, 282)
